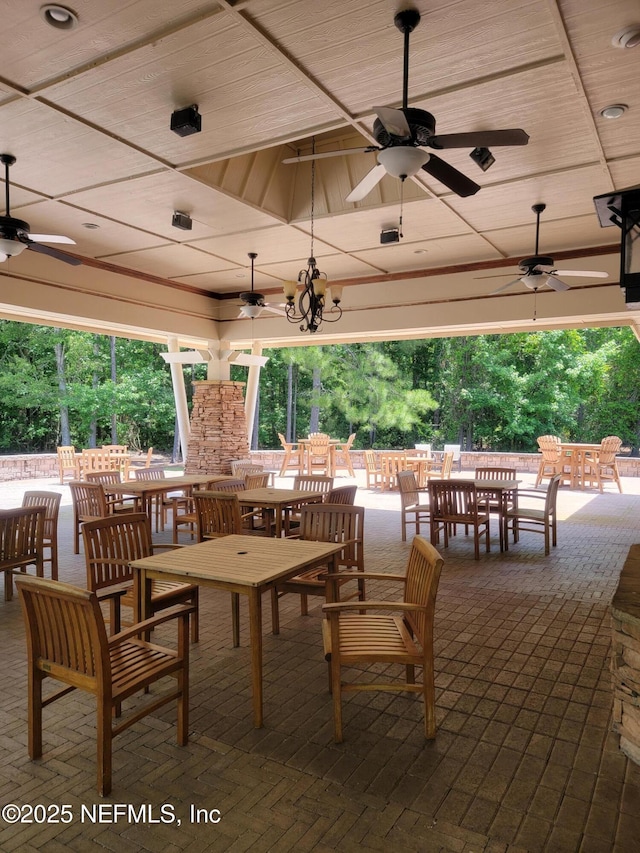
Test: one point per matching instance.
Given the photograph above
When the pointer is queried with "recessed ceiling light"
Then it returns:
(614, 111)
(419, 251)
(628, 37)
(58, 16)
(90, 225)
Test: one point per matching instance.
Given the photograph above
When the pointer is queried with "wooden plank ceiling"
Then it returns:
(86, 113)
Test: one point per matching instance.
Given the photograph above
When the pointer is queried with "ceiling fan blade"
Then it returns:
(367, 183)
(51, 238)
(394, 121)
(304, 157)
(479, 139)
(581, 273)
(274, 309)
(54, 253)
(450, 177)
(505, 286)
(555, 283)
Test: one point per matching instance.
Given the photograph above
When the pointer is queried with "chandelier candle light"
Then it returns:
(311, 302)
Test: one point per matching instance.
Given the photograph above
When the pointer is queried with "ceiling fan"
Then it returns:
(403, 134)
(540, 270)
(14, 233)
(253, 302)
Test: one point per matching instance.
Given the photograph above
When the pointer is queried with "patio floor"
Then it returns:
(524, 759)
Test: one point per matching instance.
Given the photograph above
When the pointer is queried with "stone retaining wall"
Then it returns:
(625, 658)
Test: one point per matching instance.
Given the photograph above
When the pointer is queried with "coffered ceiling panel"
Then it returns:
(86, 112)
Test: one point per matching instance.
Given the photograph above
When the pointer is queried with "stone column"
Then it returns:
(218, 427)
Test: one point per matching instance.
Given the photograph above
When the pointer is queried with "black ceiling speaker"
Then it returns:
(187, 121)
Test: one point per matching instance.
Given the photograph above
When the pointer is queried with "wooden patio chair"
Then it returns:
(89, 502)
(136, 463)
(552, 460)
(402, 635)
(68, 462)
(498, 473)
(218, 514)
(602, 467)
(95, 459)
(306, 483)
(391, 462)
(531, 515)
(119, 458)
(342, 456)
(293, 456)
(319, 455)
(325, 523)
(162, 503)
(67, 642)
(258, 519)
(184, 511)
(414, 502)
(345, 495)
(51, 502)
(110, 546)
(241, 467)
(455, 502)
(116, 503)
(21, 532)
(373, 469)
(442, 469)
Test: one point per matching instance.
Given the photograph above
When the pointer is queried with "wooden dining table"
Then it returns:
(276, 502)
(146, 490)
(576, 453)
(245, 565)
(503, 491)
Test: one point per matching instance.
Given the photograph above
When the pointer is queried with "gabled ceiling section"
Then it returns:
(86, 113)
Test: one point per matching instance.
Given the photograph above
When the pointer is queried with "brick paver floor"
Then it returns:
(524, 759)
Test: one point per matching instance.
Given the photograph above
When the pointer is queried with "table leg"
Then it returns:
(255, 634)
(235, 618)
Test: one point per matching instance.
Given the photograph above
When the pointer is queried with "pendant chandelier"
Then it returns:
(307, 305)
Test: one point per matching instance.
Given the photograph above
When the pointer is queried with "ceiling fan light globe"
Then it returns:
(403, 161)
(11, 247)
(251, 311)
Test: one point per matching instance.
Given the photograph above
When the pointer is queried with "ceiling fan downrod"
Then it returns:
(406, 21)
(8, 160)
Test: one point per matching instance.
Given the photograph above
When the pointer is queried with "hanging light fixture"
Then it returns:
(309, 310)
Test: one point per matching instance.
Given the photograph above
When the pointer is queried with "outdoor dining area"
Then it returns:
(255, 593)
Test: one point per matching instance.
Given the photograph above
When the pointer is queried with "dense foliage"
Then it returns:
(496, 392)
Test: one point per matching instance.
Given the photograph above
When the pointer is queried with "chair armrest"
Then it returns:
(147, 624)
(354, 606)
(111, 592)
(530, 493)
(165, 546)
(355, 575)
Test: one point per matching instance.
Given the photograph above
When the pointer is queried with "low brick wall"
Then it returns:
(625, 657)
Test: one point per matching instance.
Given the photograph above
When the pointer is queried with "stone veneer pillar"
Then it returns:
(218, 427)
